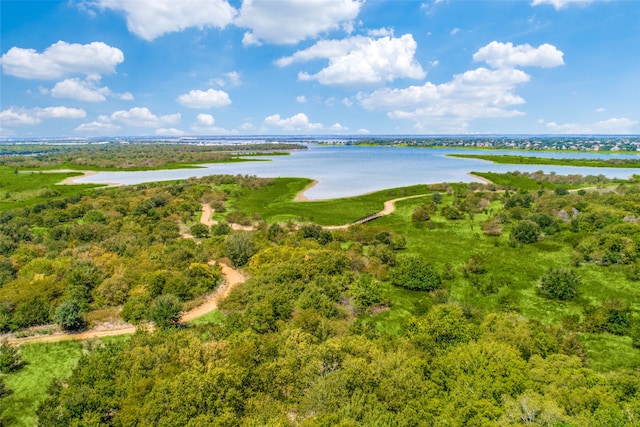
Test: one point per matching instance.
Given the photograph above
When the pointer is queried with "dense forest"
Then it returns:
(510, 303)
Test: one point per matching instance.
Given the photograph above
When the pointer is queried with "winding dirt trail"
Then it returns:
(232, 278)
(389, 208)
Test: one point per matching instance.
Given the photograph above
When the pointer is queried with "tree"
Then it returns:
(69, 316)
(10, 358)
(525, 232)
(165, 311)
(415, 273)
(200, 231)
(559, 283)
(239, 248)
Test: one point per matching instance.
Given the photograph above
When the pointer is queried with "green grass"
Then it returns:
(609, 352)
(45, 363)
(27, 188)
(275, 203)
(527, 160)
(213, 318)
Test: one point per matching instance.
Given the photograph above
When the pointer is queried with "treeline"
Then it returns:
(294, 350)
(135, 156)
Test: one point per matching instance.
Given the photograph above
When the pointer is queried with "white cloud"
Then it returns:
(560, 4)
(34, 116)
(381, 32)
(101, 126)
(61, 59)
(206, 119)
(337, 127)
(60, 113)
(600, 110)
(506, 55)
(361, 60)
(142, 117)
(301, 99)
(363, 131)
(621, 125)
(455, 31)
(11, 117)
(347, 102)
(291, 21)
(201, 99)
(297, 122)
(84, 90)
(479, 93)
(230, 79)
(169, 132)
(149, 19)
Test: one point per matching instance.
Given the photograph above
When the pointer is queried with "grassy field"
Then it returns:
(19, 189)
(275, 203)
(527, 160)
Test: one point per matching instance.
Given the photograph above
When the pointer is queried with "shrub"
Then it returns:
(165, 311)
(199, 230)
(559, 283)
(239, 248)
(69, 316)
(452, 213)
(415, 273)
(525, 232)
(10, 359)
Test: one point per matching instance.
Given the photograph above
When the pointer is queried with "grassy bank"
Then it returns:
(528, 160)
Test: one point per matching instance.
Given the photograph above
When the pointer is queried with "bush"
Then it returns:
(199, 230)
(239, 248)
(415, 273)
(559, 283)
(135, 309)
(525, 232)
(10, 359)
(452, 213)
(165, 311)
(69, 316)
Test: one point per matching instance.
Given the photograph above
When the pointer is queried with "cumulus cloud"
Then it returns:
(12, 117)
(479, 93)
(205, 99)
(560, 4)
(621, 125)
(142, 117)
(231, 79)
(506, 55)
(149, 19)
(337, 127)
(298, 122)
(85, 90)
(61, 59)
(34, 116)
(294, 20)
(101, 126)
(361, 60)
(301, 99)
(205, 119)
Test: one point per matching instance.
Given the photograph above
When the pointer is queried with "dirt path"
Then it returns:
(232, 278)
(205, 218)
(389, 207)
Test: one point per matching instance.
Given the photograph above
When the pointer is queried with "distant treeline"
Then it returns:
(128, 156)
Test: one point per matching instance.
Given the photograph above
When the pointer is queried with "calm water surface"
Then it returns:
(349, 170)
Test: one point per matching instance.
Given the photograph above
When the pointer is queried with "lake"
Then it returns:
(343, 171)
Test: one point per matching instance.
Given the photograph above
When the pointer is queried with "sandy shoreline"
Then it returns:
(484, 180)
(300, 197)
(72, 179)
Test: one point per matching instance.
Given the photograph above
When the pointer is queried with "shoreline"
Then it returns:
(72, 179)
(481, 178)
(300, 197)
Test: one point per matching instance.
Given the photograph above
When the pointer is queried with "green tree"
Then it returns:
(69, 316)
(10, 359)
(525, 232)
(415, 273)
(559, 283)
(239, 248)
(165, 311)
(199, 230)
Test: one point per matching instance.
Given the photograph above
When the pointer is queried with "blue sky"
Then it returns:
(223, 67)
